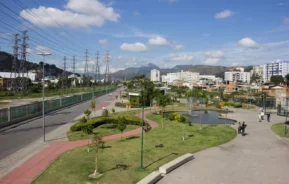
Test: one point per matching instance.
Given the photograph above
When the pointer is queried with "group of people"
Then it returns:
(261, 115)
(242, 127)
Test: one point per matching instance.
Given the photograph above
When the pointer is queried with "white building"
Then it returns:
(237, 74)
(259, 70)
(31, 76)
(155, 75)
(189, 77)
(275, 68)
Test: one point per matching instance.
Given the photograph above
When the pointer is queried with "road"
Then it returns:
(18, 137)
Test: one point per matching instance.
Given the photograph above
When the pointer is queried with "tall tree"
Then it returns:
(277, 79)
(255, 77)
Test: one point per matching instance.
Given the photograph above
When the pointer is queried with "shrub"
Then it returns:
(113, 110)
(83, 120)
(87, 129)
(105, 113)
(121, 104)
(189, 122)
(237, 105)
(129, 120)
(87, 113)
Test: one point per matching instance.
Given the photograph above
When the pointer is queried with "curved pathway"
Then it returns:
(259, 157)
(25, 173)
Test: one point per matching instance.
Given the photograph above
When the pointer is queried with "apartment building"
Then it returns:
(155, 75)
(278, 67)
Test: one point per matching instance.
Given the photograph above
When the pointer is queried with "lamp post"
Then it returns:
(142, 130)
(43, 109)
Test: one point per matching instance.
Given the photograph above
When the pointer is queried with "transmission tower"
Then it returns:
(23, 68)
(85, 75)
(14, 71)
(106, 73)
(97, 70)
(63, 82)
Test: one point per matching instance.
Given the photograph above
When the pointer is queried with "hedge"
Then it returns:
(130, 120)
(121, 104)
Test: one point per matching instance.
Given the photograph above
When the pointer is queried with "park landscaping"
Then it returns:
(119, 161)
(279, 129)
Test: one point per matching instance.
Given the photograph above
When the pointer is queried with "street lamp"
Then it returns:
(43, 110)
(142, 130)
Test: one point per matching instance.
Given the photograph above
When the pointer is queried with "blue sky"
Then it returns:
(163, 32)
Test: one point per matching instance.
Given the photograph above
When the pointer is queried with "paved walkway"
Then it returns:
(25, 173)
(259, 157)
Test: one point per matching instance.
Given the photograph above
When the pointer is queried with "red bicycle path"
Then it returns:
(33, 167)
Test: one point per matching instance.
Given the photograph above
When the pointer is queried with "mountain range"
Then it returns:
(202, 69)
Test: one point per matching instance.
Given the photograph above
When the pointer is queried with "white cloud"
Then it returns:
(286, 20)
(248, 43)
(134, 47)
(177, 46)
(236, 64)
(43, 49)
(224, 14)
(158, 41)
(136, 13)
(180, 57)
(213, 57)
(77, 14)
(103, 42)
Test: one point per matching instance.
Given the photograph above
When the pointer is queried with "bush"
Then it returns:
(121, 104)
(129, 120)
(113, 110)
(83, 120)
(105, 113)
(237, 105)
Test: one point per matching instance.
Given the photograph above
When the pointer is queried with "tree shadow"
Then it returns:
(118, 166)
(131, 137)
(160, 159)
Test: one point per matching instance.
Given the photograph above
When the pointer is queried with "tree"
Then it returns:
(97, 144)
(87, 113)
(255, 77)
(121, 125)
(105, 113)
(87, 130)
(163, 101)
(92, 105)
(147, 127)
(277, 79)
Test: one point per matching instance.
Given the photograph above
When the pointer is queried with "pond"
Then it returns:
(207, 117)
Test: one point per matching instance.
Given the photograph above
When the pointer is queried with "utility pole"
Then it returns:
(97, 67)
(106, 76)
(85, 67)
(15, 69)
(73, 70)
(22, 68)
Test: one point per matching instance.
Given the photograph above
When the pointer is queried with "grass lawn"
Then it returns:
(74, 166)
(104, 130)
(279, 129)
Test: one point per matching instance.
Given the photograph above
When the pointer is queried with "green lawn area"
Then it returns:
(74, 166)
(104, 130)
(279, 129)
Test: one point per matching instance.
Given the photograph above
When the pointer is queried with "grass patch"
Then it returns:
(279, 129)
(104, 130)
(160, 147)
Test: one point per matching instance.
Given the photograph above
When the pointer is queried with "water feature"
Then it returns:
(206, 117)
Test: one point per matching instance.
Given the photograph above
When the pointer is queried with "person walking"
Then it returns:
(244, 125)
(259, 116)
(268, 116)
(262, 115)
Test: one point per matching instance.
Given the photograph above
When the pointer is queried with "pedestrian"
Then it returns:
(239, 127)
(259, 116)
(262, 115)
(243, 128)
(268, 116)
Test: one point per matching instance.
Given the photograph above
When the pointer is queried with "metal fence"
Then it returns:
(30, 110)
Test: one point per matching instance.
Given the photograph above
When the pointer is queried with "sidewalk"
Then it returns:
(26, 172)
